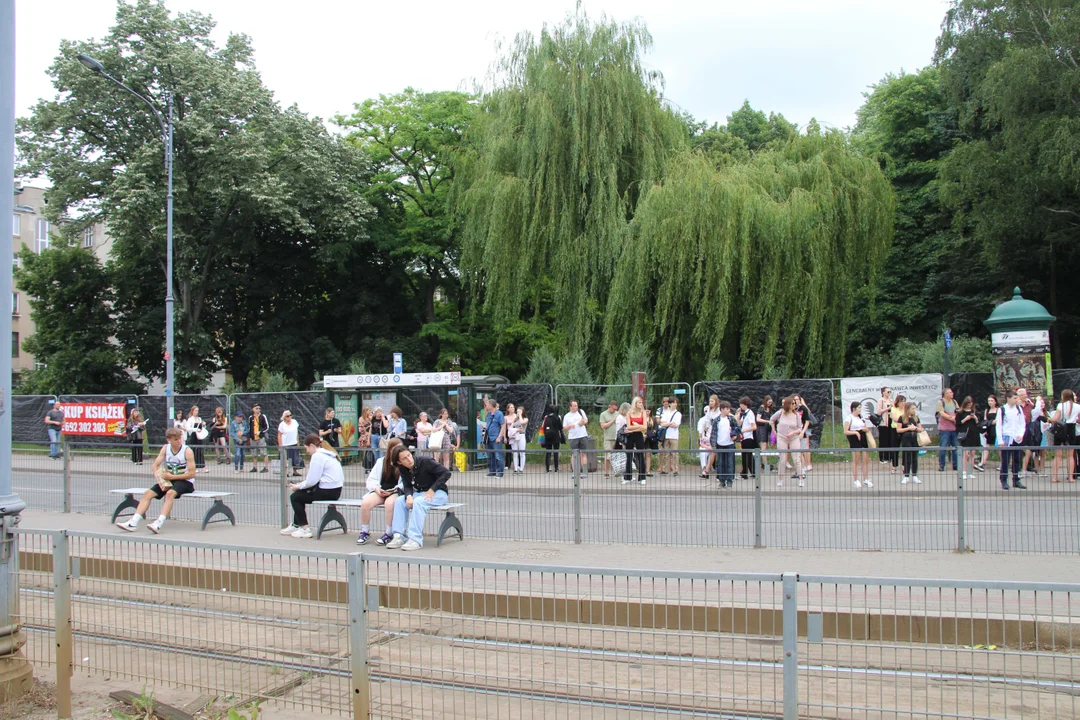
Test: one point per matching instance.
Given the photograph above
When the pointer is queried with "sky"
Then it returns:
(802, 59)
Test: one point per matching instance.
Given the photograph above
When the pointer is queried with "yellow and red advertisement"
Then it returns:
(102, 419)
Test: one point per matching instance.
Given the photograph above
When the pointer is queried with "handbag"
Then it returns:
(435, 439)
(201, 432)
(924, 438)
(369, 460)
(875, 419)
(383, 443)
(620, 437)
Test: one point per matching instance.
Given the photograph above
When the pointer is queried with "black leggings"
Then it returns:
(137, 452)
(302, 498)
(635, 446)
(748, 446)
(888, 440)
(552, 454)
(911, 460)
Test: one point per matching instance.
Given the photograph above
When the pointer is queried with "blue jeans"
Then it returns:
(415, 517)
(725, 463)
(238, 457)
(293, 453)
(54, 443)
(496, 458)
(948, 438)
(375, 440)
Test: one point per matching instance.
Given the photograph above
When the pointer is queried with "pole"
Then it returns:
(170, 378)
(15, 671)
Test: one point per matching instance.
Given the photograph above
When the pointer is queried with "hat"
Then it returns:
(238, 414)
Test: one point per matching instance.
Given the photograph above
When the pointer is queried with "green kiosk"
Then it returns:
(1020, 338)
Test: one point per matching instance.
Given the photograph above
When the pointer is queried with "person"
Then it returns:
(517, 433)
(178, 421)
(451, 439)
(967, 431)
(396, 426)
(174, 472)
(288, 437)
(135, 430)
(330, 429)
(764, 428)
(855, 430)
(725, 432)
(807, 418)
(259, 429)
(908, 431)
(711, 412)
(894, 420)
(380, 427)
(424, 486)
(607, 424)
(494, 434)
(574, 426)
(194, 427)
(423, 428)
(1067, 413)
(509, 418)
(947, 435)
(1033, 412)
(383, 488)
(637, 424)
(1011, 429)
(364, 437)
(553, 437)
(789, 426)
(54, 423)
(990, 430)
(886, 432)
(670, 420)
(219, 436)
(238, 430)
(652, 438)
(704, 430)
(324, 481)
(748, 436)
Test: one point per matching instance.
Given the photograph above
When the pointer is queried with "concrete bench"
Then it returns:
(217, 507)
(333, 516)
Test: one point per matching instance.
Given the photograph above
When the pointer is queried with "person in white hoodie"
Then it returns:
(324, 481)
(383, 488)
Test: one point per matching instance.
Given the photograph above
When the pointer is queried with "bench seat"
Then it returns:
(217, 507)
(333, 517)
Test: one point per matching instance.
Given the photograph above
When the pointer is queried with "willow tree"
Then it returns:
(571, 133)
(754, 262)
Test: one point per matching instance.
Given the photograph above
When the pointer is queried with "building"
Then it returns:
(30, 229)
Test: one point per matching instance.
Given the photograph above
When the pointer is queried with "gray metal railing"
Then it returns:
(379, 635)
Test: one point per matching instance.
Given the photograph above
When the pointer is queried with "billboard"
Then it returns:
(923, 390)
(94, 419)
(347, 412)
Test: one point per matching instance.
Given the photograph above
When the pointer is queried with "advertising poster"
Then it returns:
(347, 412)
(923, 390)
(1022, 360)
(97, 419)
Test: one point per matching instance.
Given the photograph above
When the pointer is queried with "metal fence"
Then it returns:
(374, 635)
(943, 511)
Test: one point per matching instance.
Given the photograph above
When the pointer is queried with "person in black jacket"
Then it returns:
(424, 483)
(258, 431)
(552, 424)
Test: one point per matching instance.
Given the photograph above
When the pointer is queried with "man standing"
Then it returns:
(496, 433)
(1010, 433)
(575, 425)
(54, 422)
(238, 429)
(670, 420)
(725, 431)
(330, 428)
(1032, 426)
(258, 427)
(946, 418)
(607, 424)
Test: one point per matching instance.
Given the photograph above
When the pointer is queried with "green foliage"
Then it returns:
(636, 359)
(260, 379)
(143, 707)
(904, 356)
(757, 131)
(542, 367)
(574, 370)
(357, 366)
(718, 370)
(71, 298)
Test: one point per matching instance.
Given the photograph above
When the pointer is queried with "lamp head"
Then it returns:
(91, 63)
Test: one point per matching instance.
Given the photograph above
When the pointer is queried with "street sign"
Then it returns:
(397, 364)
(948, 339)
(388, 380)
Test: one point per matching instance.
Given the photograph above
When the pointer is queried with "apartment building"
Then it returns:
(31, 229)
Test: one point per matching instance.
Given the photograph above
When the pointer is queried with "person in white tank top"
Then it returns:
(174, 470)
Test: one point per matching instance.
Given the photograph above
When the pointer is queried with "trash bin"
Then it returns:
(590, 447)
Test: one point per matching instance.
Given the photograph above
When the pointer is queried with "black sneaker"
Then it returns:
(1019, 485)
(1004, 486)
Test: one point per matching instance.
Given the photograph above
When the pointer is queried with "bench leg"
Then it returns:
(129, 501)
(331, 516)
(450, 522)
(218, 508)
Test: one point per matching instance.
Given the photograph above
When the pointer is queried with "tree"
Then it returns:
(757, 131)
(541, 367)
(1012, 70)
(72, 298)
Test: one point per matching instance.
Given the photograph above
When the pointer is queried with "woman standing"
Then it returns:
(380, 428)
(764, 428)
(894, 422)
(806, 415)
(711, 413)
(451, 439)
(288, 437)
(652, 440)
(788, 426)
(967, 429)
(324, 481)
(363, 437)
(396, 427)
(748, 433)
(424, 428)
(517, 439)
(886, 433)
(135, 428)
(1067, 412)
(219, 436)
(855, 429)
(989, 430)
(552, 436)
(196, 433)
(637, 424)
(908, 429)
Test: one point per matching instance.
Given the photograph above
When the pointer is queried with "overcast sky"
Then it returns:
(803, 59)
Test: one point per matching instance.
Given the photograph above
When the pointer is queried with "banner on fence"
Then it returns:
(94, 419)
(923, 390)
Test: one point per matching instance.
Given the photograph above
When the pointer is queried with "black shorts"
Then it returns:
(182, 487)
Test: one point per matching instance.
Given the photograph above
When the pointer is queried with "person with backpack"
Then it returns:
(553, 436)
(1063, 427)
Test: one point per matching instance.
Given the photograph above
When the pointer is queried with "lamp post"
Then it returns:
(166, 126)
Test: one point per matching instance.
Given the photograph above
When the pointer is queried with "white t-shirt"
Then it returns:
(290, 432)
(577, 431)
(857, 423)
(673, 416)
(1068, 412)
(725, 431)
(704, 427)
(747, 425)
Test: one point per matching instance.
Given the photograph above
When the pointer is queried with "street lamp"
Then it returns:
(166, 126)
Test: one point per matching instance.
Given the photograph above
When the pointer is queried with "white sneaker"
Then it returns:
(625, 482)
(779, 483)
(641, 481)
(916, 480)
(802, 482)
(867, 483)
(809, 468)
(304, 532)
(127, 525)
(789, 466)
(904, 481)
(858, 484)
(397, 542)
(411, 545)
(155, 527)
(289, 530)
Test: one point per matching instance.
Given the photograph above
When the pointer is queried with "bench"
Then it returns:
(216, 508)
(333, 516)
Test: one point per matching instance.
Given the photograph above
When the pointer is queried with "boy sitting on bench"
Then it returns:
(174, 470)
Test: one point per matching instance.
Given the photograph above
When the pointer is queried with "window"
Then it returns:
(14, 303)
(16, 261)
(14, 344)
(41, 237)
(88, 237)
(16, 228)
